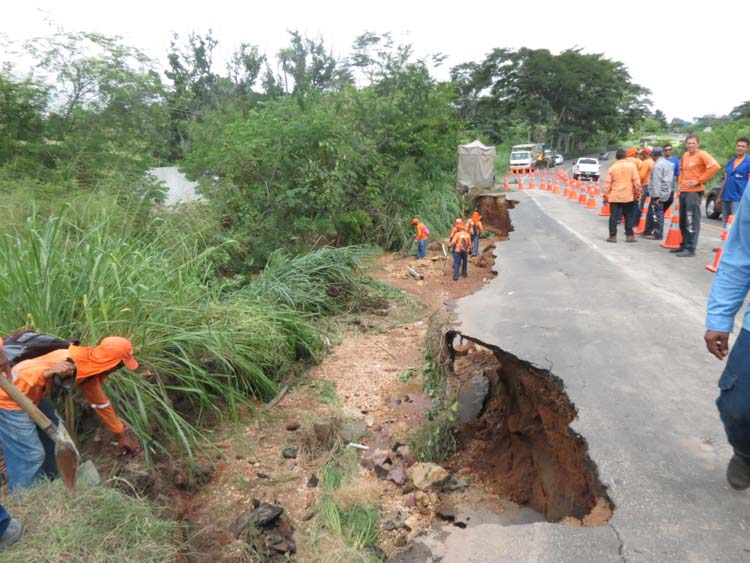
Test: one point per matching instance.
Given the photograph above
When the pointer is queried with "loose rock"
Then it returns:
(426, 475)
(289, 453)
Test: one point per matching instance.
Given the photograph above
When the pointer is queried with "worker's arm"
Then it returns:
(97, 398)
(731, 283)
(712, 167)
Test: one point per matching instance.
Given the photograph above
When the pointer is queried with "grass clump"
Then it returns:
(435, 440)
(348, 509)
(96, 524)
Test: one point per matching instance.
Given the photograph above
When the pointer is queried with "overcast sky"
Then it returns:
(665, 45)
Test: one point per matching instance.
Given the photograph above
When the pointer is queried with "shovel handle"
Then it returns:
(25, 403)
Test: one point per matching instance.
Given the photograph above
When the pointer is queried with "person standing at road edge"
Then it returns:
(737, 172)
(730, 287)
(696, 168)
(622, 187)
(662, 179)
(474, 227)
(421, 238)
(461, 244)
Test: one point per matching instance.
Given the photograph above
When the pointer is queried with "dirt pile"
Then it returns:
(521, 446)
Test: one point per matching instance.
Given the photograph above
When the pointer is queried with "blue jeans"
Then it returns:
(4, 520)
(734, 399)
(29, 453)
(728, 208)
(475, 245)
(655, 222)
(421, 248)
(460, 258)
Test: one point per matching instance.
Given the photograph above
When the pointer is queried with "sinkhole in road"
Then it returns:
(519, 443)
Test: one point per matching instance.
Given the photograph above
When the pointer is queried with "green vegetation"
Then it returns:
(356, 522)
(95, 524)
(435, 440)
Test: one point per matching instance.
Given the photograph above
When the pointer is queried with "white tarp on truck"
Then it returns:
(476, 165)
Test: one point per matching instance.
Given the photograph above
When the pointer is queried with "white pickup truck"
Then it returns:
(586, 168)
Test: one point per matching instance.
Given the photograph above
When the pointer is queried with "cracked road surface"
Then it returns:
(622, 326)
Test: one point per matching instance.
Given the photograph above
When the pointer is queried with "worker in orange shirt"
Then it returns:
(459, 224)
(86, 367)
(647, 165)
(460, 243)
(622, 187)
(421, 237)
(631, 155)
(696, 167)
(474, 227)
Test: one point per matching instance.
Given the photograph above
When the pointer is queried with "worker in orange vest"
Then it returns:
(459, 224)
(460, 243)
(474, 227)
(86, 367)
(421, 237)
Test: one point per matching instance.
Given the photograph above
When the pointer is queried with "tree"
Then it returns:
(570, 97)
(742, 111)
(305, 65)
(661, 119)
(105, 113)
(194, 86)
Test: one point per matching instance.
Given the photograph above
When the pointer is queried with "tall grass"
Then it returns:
(204, 346)
(96, 524)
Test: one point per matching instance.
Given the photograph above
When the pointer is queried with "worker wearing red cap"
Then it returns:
(85, 367)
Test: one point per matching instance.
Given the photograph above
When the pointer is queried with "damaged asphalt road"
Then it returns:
(622, 326)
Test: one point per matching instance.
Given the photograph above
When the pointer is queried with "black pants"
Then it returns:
(616, 210)
(690, 219)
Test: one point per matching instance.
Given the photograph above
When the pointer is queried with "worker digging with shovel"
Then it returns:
(28, 450)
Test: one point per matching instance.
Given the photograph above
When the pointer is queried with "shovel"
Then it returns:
(66, 454)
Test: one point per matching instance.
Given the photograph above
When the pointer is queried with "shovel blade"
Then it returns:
(66, 456)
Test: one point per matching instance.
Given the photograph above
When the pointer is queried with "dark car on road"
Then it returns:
(713, 207)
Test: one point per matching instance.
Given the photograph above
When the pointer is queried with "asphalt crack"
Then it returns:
(621, 551)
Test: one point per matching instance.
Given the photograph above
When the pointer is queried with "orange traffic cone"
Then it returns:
(572, 195)
(668, 214)
(644, 212)
(674, 236)
(717, 258)
(557, 188)
(582, 199)
(531, 184)
(605, 211)
(591, 203)
(506, 186)
(543, 185)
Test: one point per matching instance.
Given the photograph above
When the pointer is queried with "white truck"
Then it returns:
(524, 158)
(587, 168)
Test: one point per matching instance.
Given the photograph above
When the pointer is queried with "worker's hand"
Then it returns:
(64, 369)
(717, 343)
(127, 444)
